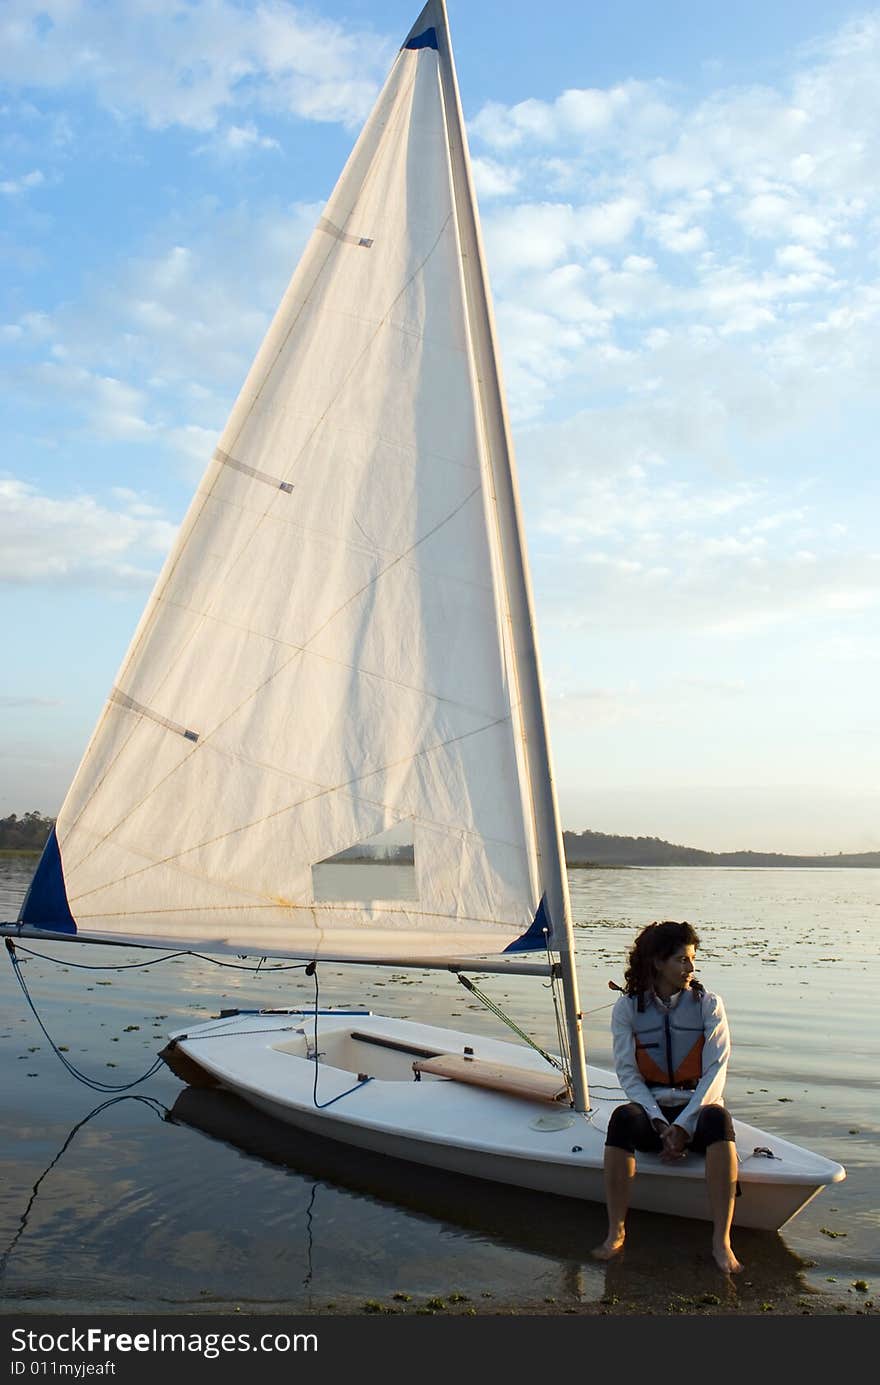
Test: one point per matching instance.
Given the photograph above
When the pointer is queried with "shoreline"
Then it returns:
(726, 1302)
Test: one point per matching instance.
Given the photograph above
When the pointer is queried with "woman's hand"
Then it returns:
(675, 1143)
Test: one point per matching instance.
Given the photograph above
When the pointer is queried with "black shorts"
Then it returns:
(630, 1128)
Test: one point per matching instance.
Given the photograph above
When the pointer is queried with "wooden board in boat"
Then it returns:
(502, 1077)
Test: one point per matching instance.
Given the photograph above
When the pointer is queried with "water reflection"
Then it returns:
(155, 1106)
(666, 1262)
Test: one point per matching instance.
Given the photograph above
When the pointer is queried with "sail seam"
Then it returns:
(372, 674)
(266, 681)
(176, 857)
(371, 549)
(383, 321)
(458, 921)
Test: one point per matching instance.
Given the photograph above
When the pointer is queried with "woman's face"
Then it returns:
(674, 973)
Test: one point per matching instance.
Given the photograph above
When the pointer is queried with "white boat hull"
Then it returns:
(267, 1060)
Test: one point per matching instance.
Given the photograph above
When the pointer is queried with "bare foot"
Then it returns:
(725, 1259)
(611, 1246)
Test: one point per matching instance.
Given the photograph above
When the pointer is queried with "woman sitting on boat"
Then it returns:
(671, 1049)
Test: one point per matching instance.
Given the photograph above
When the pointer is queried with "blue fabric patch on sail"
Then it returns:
(534, 938)
(45, 904)
(426, 40)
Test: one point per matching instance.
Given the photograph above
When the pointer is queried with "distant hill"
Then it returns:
(29, 833)
(599, 849)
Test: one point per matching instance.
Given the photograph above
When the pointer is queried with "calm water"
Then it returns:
(174, 1200)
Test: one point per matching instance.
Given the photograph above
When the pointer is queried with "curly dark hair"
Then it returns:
(655, 943)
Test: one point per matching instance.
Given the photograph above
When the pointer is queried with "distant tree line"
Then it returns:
(29, 833)
(599, 849)
(26, 833)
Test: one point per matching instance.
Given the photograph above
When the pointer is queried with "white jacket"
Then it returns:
(716, 1054)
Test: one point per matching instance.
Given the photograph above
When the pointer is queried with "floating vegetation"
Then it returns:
(373, 1305)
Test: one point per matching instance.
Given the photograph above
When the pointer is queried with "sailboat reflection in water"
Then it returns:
(341, 645)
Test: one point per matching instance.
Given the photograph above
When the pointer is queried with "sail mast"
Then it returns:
(521, 606)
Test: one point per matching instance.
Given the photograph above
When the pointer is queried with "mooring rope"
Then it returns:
(93, 1082)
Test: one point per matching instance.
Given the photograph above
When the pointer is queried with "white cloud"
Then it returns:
(112, 408)
(222, 57)
(235, 139)
(539, 236)
(759, 205)
(13, 187)
(156, 349)
(591, 117)
(492, 179)
(674, 233)
(78, 540)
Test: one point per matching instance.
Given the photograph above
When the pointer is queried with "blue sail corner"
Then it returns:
(45, 904)
(428, 39)
(539, 934)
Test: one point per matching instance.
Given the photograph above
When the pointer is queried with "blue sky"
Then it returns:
(681, 208)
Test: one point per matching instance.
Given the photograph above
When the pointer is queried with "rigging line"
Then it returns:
(92, 1082)
(312, 970)
(505, 1018)
(561, 1032)
(239, 1033)
(155, 961)
(175, 560)
(176, 857)
(156, 1106)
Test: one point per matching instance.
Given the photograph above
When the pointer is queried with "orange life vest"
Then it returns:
(669, 1043)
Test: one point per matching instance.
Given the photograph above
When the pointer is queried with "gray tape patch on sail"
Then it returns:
(123, 700)
(224, 457)
(324, 225)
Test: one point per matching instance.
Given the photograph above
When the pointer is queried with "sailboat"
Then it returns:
(340, 651)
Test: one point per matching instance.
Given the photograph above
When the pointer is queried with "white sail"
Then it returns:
(329, 650)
